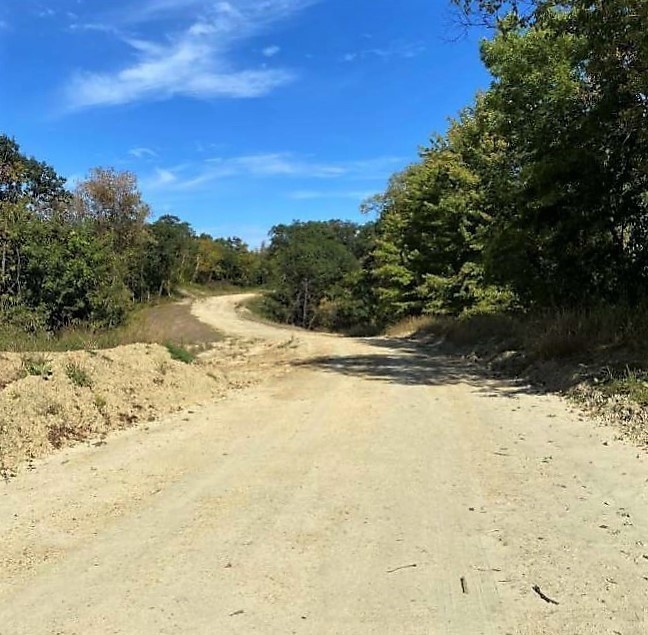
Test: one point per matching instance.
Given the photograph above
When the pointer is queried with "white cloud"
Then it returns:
(310, 195)
(269, 165)
(395, 50)
(276, 164)
(162, 178)
(195, 62)
(46, 12)
(271, 51)
(141, 153)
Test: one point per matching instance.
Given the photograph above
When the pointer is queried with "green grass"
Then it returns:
(37, 365)
(258, 306)
(631, 382)
(180, 353)
(78, 375)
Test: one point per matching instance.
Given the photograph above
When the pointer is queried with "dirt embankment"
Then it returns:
(588, 363)
(51, 400)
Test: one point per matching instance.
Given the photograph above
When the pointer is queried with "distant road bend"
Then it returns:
(368, 489)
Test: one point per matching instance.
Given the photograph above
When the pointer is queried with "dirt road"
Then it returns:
(371, 489)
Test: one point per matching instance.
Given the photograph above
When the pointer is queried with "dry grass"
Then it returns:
(578, 334)
(607, 347)
(419, 325)
(165, 323)
(481, 331)
(170, 322)
(56, 391)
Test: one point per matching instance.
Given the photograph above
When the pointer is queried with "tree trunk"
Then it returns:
(305, 305)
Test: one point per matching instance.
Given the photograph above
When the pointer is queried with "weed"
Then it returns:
(102, 406)
(290, 343)
(36, 365)
(78, 375)
(631, 382)
(180, 353)
(52, 408)
(58, 435)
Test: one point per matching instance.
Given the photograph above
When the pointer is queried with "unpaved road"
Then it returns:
(302, 506)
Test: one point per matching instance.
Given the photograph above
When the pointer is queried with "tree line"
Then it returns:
(88, 256)
(535, 198)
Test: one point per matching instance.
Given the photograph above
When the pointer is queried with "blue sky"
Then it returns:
(240, 114)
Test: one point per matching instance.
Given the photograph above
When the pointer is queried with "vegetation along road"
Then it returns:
(371, 488)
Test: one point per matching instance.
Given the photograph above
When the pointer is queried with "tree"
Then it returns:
(434, 221)
(171, 254)
(567, 101)
(111, 203)
(25, 180)
(67, 277)
(309, 261)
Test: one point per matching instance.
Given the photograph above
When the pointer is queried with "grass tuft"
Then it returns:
(78, 375)
(180, 353)
(37, 365)
(632, 382)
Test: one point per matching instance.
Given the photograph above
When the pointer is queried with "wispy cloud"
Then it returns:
(267, 165)
(45, 12)
(271, 51)
(163, 177)
(194, 61)
(395, 50)
(74, 179)
(275, 164)
(311, 195)
(142, 153)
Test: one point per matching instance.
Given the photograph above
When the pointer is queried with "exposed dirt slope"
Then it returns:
(372, 489)
(84, 395)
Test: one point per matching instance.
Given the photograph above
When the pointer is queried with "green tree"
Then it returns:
(111, 202)
(171, 254)
(434, 221)
(310, 261)
(567, 102)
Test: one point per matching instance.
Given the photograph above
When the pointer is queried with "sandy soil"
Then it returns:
(370, 489)
(124, 386)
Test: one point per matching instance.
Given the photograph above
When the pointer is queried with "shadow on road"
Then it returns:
(412, 363)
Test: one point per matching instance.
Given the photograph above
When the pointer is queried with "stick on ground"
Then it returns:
(546, 598)
(405, 566)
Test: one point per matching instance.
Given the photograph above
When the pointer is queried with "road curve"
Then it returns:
(373, 488)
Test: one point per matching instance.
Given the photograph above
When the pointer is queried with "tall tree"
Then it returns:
(310, 260)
